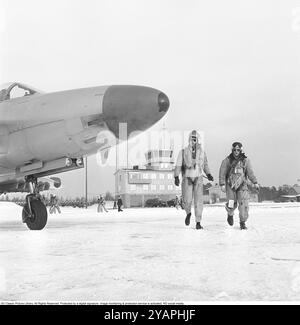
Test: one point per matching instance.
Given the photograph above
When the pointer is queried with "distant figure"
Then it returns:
(177, 202)
(54, 204)
(120, 203)
(101, 204)
(115, 204)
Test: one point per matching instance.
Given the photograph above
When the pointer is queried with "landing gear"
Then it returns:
(34, 213)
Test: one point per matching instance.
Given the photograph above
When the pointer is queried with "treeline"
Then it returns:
(79, 202)
(266, 193)
(274, 194)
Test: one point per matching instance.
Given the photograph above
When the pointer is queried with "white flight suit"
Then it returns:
(192, 178)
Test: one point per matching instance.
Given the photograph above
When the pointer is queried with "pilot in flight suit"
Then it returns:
(191, 163)
(235, 175)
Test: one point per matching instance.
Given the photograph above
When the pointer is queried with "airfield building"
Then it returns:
(154, 180)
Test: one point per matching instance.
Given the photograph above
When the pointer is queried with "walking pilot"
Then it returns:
(235, 175)
(191, 163)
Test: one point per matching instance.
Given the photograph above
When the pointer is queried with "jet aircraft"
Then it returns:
(42, 134)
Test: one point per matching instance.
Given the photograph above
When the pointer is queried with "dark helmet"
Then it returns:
(237, 144)
(239, 147)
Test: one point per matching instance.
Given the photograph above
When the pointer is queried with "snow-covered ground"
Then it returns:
(143, 255)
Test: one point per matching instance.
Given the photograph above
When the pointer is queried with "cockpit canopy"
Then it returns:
(15, 89)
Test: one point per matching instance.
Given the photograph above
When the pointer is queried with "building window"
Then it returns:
(135, 175)
(162, 187)
(146, 187)
(153, 176)
(153, 188)
(161, 176)
(145, 176)
(132, 187)
(170, 187)
(170, 176)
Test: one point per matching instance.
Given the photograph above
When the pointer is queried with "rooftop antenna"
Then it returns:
(117, 165)
(164, 128)
(86, 182)
(164, 135)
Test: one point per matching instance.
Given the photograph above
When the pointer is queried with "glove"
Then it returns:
(256, 186)
(223, 188)
(210, 178)
(177, 181)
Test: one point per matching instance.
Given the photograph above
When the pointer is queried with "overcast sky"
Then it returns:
(230, 68)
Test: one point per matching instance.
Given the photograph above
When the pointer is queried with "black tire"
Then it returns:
(39, 219)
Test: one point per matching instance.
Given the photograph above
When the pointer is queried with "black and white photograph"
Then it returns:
(150, 153)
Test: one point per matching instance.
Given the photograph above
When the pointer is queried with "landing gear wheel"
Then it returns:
(38, 219)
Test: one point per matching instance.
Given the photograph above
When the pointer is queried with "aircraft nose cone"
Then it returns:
(163, 102)
(137, 106)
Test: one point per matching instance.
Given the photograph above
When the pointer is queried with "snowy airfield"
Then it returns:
(149, 255)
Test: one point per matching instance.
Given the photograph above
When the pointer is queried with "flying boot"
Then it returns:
(188, 219)
(198, 225)
(230, 220)
(243, 225)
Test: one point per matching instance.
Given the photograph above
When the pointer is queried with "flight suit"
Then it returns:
(192, 179)
(236, 179)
